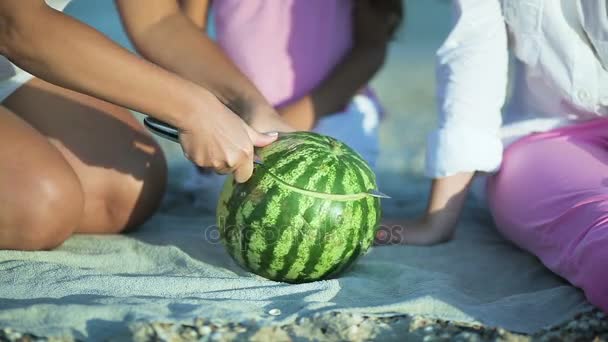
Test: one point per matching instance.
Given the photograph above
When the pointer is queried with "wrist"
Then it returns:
(188, 109)
(247, 104)
(441, 222)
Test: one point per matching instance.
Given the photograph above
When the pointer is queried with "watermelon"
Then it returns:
(305, 214)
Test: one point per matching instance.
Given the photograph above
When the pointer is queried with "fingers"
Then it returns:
(244, 169)
(244, 172)
(230, 152)
(261, 139)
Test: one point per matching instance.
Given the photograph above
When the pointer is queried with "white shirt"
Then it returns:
(560, 77)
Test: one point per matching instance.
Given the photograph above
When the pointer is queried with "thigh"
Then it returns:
(40, 195)
(121, 168)
(550, 192)
(551, 198)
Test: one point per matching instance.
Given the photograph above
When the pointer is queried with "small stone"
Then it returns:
(600, 315)
(204, 330)
(13, 336)
(352, 332)
(240, 329)
(429, 329)
(274, 312)
(189, 332)
(216, 336)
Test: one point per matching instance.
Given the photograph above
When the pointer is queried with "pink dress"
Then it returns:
(287, 47)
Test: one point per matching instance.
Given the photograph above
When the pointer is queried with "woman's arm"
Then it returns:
(373, 28)
(63, 51)
(197, 11)
(333, 94)
(471, 87)
(163, 34)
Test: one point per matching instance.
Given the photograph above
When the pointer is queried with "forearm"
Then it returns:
(196, 11)
(346, 79)
(70, 54)
(336, 91)
(446, 201)
(175, 43)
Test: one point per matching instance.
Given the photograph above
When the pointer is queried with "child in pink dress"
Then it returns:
(311, 59)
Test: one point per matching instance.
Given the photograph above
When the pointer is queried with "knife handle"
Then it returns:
(162, 129)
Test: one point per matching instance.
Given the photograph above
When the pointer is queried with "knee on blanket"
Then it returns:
(42, 216)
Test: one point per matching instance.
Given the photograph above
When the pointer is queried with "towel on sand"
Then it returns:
(174, 269)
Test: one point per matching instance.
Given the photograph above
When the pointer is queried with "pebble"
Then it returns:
(274, 312)
(204, 330)
(572, 325)
(216, 336)
(240, 329)
(445, 336)
(190, 333)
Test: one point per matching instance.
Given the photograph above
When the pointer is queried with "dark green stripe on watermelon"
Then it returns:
(319, 246)
(282, 227)
(307, 232)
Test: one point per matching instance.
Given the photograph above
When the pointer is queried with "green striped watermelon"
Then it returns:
(305, 214)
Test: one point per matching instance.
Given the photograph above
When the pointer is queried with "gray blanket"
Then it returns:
(171, 270)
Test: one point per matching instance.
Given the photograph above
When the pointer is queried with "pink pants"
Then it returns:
(551, 198)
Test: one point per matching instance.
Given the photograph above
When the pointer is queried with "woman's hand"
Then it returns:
(446, 201)
(412, 232)
(217, 138)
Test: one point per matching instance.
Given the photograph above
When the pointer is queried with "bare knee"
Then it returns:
(43, 213)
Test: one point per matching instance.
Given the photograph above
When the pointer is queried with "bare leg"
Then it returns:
(120, 168)
(41, 199)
